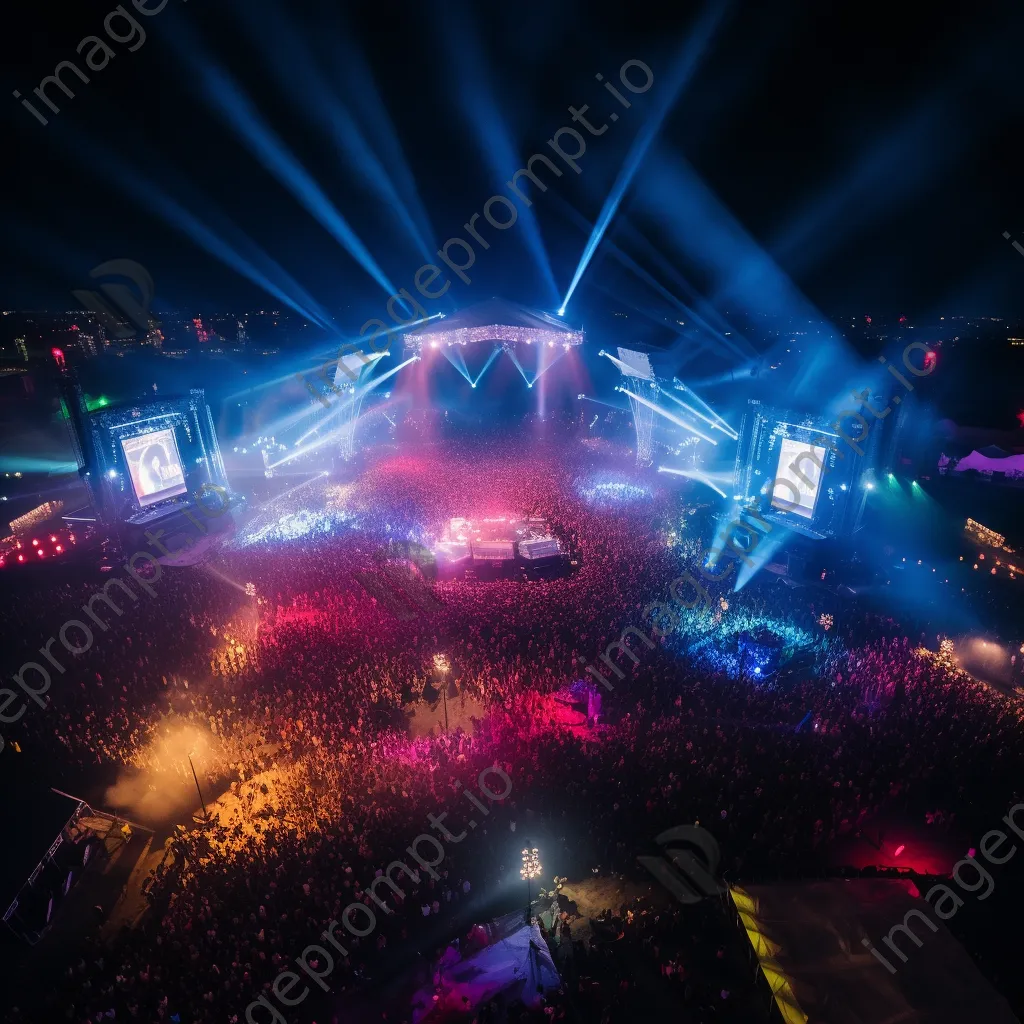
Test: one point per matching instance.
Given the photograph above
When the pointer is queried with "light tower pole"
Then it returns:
(531, 869)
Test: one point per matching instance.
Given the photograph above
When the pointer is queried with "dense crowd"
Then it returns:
(296, 701)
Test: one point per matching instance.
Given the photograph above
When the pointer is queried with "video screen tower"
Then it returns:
(154, 466)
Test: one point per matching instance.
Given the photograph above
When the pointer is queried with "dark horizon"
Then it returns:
(868, 158)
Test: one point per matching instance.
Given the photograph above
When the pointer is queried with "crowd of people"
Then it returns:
(299, 689)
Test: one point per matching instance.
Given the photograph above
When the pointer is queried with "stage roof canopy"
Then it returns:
(516, 965)
(495, 319)
(808, 939)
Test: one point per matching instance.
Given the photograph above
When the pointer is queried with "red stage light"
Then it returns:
(40, 552)
(52, 538)
(899, 850)
(21, 558)
(59, 549)
(35, 543)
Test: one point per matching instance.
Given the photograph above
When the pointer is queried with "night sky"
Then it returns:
(868, 149)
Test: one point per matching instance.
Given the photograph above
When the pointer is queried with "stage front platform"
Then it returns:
(496, 544)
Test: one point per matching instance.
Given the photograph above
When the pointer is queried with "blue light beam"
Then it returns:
(693, 474)
(669, 416)
(490, 359)
(519, 366)
(683, 70)
(242, 117)
(477, 99)
(298, 76)
(726, 429)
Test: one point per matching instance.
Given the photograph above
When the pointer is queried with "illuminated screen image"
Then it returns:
(798, 477)
(154, 465)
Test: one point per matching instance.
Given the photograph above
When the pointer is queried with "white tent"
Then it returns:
(516, 966)
(992, 460)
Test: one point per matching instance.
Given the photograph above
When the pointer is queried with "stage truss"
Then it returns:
(507, 327)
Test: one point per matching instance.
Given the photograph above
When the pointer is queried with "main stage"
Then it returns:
(497, 544)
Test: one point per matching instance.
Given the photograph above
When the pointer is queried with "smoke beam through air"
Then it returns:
(685, 66)
(664, 412)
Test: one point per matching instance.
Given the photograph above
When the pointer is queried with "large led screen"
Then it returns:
(154, 465)
(798, 477)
